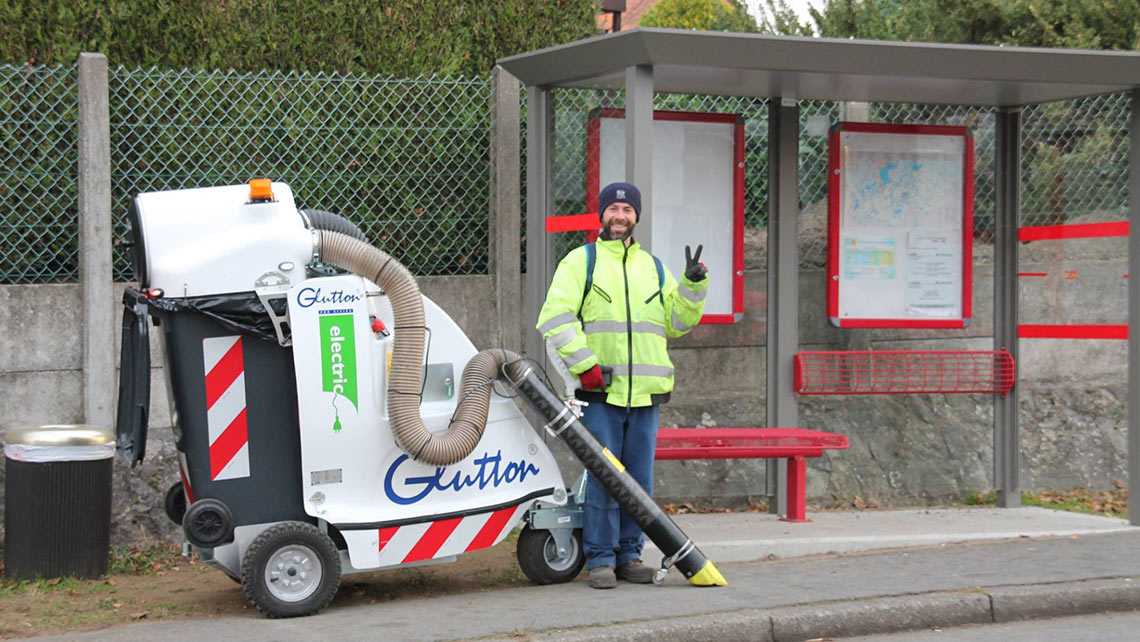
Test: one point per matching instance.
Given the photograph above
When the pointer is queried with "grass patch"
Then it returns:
(988, 498)
(1106, 503)
(145, 561)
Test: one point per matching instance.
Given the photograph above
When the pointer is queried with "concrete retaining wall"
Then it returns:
(906, 449)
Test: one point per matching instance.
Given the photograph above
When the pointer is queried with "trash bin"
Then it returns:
(57, 502)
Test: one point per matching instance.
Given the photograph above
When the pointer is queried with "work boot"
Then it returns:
(636, 572)
(602, 577)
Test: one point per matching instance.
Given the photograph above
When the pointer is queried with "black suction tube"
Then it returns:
(679, 550)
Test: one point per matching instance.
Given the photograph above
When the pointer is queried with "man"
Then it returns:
(620, 324)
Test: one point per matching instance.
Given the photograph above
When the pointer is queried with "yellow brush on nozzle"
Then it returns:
(708, 576)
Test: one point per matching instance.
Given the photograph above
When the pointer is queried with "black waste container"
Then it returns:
(57, 501)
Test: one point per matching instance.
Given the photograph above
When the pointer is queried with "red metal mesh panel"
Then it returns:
(903, 371)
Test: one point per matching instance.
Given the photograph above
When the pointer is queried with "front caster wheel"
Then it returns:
(542, 562)
(208, 523)
(291, 569)
(175, 503)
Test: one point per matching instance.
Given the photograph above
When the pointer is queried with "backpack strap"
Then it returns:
(660, 277)
(591, 260)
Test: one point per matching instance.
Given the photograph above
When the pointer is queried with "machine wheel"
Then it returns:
(208, 523)
(175, 503)
(539, 559)
(290, 569)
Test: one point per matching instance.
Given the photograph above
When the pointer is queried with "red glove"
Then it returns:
(592, 379)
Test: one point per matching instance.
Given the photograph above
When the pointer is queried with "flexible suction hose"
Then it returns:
(322, 220)
(470, 419)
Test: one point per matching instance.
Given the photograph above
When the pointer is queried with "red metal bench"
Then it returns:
(794, 444)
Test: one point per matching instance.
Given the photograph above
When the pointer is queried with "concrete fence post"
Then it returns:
(506, 213)
(95, 240)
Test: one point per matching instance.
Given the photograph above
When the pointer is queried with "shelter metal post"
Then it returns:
(1134, 310)
(1007, 171)
(639, 145)
(783, 281)
(539, 205)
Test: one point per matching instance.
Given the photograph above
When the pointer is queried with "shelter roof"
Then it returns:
(740, 64)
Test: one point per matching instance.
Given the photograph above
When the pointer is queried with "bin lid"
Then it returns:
(60, 435)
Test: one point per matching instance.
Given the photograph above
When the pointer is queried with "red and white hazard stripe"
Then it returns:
(183, 466)
(225, 407)
(444, 538)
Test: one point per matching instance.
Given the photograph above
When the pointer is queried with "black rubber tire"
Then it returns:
(208, 523)
(175, 503)
(539, 560)
(290, 552)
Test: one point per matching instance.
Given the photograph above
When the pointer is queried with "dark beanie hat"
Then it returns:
(619, 193)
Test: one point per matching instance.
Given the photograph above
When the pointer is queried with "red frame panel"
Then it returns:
(833, 216)
(1072, 231)
(593, 185)
(1090, 331)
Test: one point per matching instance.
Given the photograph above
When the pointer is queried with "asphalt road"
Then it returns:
(1100, 627)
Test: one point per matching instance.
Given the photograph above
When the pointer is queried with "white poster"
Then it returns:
(934, 273)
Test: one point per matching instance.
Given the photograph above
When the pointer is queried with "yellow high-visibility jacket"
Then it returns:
(625, 320)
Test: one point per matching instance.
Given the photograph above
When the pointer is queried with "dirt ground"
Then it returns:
(174, 587)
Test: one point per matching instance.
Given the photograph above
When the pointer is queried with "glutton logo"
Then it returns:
(490, 471)
(308, 297)
(338, 358)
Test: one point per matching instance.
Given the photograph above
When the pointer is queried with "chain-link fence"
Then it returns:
(405, 159)
(408, 159)
(38, 174)
(1074, 160)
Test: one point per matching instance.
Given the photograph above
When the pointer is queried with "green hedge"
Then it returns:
(398, 37)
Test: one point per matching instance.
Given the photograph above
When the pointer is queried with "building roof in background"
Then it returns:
(630, 18)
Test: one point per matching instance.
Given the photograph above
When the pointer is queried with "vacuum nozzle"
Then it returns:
(708, 576)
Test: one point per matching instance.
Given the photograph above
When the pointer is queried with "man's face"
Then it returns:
(618, 220)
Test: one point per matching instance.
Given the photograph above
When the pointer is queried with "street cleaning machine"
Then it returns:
(330, 419)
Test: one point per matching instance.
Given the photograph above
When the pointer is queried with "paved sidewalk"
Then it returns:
(748, 537)
(844, 574)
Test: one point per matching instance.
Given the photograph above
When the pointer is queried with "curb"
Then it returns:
(872, 616)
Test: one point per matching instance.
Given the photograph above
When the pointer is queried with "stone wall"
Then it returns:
(905, 449)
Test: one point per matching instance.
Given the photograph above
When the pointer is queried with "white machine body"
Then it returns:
(391, 509)
(231, 244)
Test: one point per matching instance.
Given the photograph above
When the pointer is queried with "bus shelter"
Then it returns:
(785, 70)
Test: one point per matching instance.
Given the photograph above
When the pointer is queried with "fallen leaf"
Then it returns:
(140, 615)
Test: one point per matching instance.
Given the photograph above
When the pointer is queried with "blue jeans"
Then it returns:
(610, 536)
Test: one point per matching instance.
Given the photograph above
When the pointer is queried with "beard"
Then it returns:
(608, 233)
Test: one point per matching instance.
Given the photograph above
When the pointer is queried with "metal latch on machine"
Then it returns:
(272, 290)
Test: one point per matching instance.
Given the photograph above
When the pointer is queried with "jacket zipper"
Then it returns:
(628, 333)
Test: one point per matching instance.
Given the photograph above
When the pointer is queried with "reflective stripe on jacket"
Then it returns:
(625, 322)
